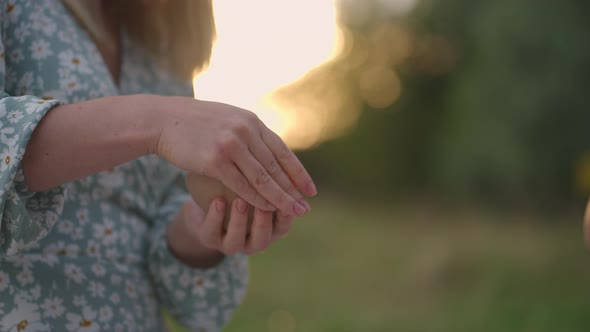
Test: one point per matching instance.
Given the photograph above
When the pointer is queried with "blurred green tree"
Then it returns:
(503, 120)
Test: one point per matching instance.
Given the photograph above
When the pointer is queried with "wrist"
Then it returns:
(151, 109)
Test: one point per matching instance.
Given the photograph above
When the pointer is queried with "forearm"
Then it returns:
(78, 140)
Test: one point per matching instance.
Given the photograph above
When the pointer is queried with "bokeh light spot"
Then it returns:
(379, 86)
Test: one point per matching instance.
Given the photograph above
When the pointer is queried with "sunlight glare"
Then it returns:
(263, 45)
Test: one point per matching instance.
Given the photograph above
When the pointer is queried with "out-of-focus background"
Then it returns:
(450, 140)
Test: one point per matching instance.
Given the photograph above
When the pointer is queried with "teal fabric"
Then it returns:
(91, 255)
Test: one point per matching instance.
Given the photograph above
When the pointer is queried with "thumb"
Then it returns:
(193, 212)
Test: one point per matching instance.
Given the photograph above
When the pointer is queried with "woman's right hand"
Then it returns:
(233, 146)
(200, 239)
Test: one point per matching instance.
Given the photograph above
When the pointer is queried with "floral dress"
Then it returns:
(91, 255)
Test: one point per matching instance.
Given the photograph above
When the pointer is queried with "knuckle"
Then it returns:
(285, 151)
(242, 128)
(251, 116)
(273, 167)
(262, 177)
(258, 198)
(243, 184)
(227, 144)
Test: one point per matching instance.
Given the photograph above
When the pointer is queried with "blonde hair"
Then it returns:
(179, 33)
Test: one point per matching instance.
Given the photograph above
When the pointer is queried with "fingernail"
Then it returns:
(306, 205)
(299, 209)
(311, 189)
(220, 205)
(242, 206)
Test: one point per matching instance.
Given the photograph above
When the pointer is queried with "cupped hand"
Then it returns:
(198, 237)
(265, 229)
(233, 146)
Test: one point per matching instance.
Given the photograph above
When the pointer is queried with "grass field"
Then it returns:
(350, 267)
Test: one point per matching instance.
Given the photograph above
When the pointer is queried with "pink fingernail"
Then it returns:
(242, 206)
(299, 209)
(306, 205)
(220, 205)
(311, 189)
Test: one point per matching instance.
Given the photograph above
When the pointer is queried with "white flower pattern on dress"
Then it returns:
(25, 315)
(40, 49)
(86, 321)
(74, 62)
(53, 307)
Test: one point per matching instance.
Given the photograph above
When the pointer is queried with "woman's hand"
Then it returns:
(217, 140)
(200, 240)
(233, 146)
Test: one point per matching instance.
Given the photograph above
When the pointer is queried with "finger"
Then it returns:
(265, 157)
(261, 232)
(289, 162)
(238, 183)
(266, 186)
(282, 226)
(211, 231)
(194, 212)
(235, 238)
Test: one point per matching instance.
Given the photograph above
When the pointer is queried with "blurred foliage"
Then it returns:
(493, 107)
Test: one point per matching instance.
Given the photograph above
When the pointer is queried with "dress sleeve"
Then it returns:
(197, 298)
(26, 217)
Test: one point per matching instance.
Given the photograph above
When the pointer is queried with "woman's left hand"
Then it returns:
(200, 240)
